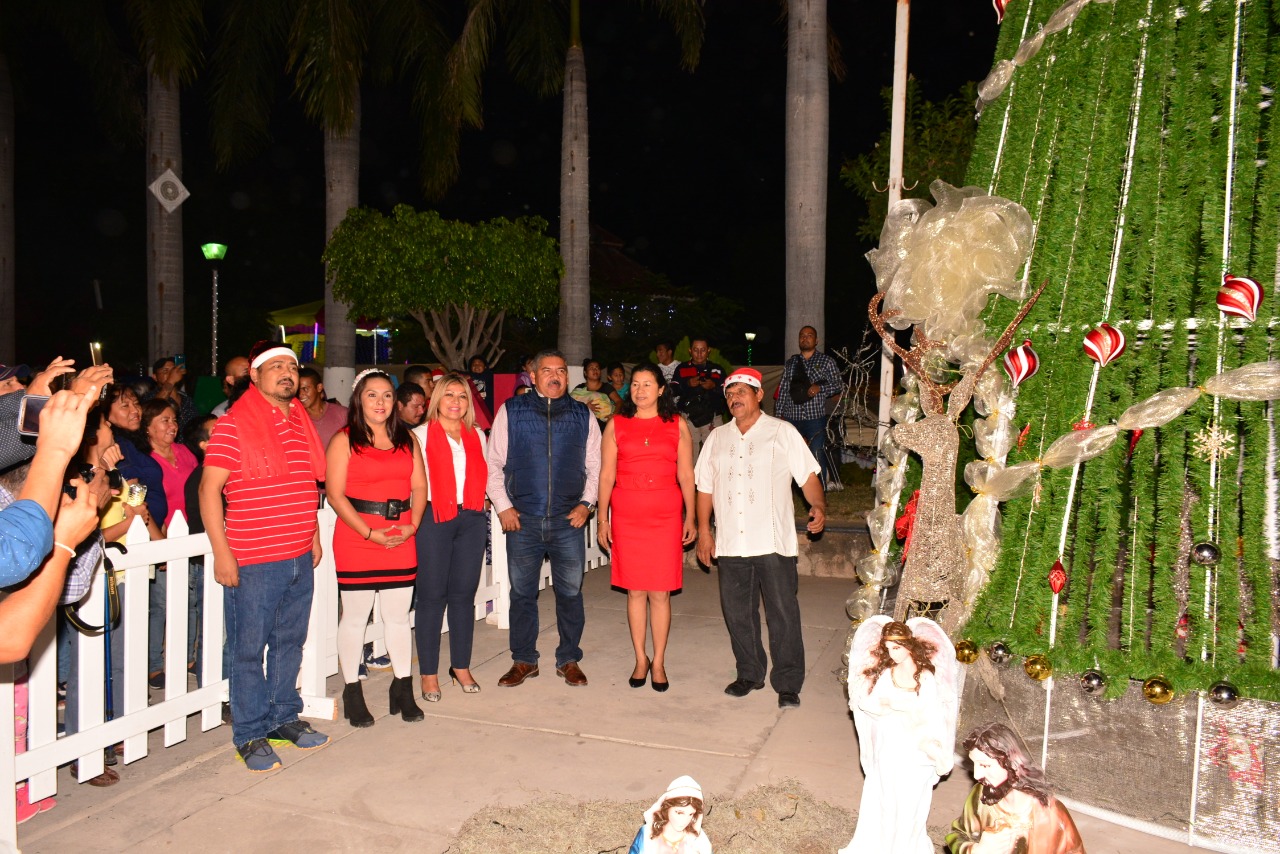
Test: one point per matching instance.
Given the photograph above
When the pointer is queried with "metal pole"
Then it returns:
(213, 351)
(897, 131)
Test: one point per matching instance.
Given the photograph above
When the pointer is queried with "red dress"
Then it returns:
(374, 475)
(646, 509)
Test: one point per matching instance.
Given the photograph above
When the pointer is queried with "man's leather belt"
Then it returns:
(390, 509)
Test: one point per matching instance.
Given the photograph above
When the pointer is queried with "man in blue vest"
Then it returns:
(544, 472)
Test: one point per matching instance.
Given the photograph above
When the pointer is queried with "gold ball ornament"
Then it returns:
(966, 652)
(1158, 690)
(1037, 667)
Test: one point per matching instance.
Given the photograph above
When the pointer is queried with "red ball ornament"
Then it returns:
(1240, 296)
(1021, 363)
(1104, 344)
(1057, 577)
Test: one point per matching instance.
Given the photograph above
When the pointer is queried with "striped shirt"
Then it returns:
(273, 519)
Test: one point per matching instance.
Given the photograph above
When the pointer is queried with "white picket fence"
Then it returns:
(173, 707)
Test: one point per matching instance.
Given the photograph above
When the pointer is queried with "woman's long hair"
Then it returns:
(666, 403)
(358, 433)
(880, 661)
(998, 741)
(660, 817)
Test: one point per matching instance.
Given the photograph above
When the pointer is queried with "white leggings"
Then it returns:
(357, 605)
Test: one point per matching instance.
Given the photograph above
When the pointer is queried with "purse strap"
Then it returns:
(71, 612)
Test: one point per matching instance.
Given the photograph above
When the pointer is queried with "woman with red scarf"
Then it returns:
(451, 539)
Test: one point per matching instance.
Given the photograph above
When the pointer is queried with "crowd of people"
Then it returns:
(410, 468)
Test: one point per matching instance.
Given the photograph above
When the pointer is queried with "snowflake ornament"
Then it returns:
(1213, 444)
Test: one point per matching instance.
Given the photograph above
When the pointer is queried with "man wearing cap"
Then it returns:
(744, 474)
(266, 457)
(809, 378)
(544, 474)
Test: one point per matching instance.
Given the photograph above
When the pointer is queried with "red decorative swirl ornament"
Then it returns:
(1104, 344)
(1057, 577)
(1240, 296)
(1021, 363)
(998, 5)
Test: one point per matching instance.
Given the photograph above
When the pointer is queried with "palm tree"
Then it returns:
(808, 119)
(8, 302)
(327, 48)
(535, 30)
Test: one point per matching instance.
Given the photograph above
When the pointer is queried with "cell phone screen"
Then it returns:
(95, 353)
(180, 360)
(29, 414)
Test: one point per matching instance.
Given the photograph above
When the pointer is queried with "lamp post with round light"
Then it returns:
(751, 336)
(214, 253)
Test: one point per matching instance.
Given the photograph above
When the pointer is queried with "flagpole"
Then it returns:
(897, 131)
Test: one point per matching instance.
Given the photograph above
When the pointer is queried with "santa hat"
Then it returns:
(750, 376)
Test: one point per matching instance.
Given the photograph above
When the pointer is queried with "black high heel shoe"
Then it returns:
(655, 684)
(639, 683)
(467, 687)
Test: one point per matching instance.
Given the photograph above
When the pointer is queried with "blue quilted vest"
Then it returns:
(546, 468)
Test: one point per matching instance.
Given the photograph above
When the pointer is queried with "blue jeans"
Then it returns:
(268, 612)
(538, 537)
(450, 557)
(814, 433)
(157, 603)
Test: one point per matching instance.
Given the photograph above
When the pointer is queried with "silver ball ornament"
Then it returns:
(1224, 695)
(1092, 682)
(1206, 554)
(999, 652)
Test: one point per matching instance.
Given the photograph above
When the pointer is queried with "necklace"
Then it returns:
(652, 427)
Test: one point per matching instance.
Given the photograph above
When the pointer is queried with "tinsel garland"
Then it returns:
(1060, 155)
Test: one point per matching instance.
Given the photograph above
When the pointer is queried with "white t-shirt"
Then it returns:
(749, 478)
(459, 457)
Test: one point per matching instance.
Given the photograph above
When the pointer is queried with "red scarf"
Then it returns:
(261, 449)
(444, 486)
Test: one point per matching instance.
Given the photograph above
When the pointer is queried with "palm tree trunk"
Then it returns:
(575, 227)
(806, 191)
(8, 305)
(342, 193)
(164, 229)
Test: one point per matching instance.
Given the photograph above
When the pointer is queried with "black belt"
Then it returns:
(390, 509)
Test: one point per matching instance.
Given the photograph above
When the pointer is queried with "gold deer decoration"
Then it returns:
(933, 576)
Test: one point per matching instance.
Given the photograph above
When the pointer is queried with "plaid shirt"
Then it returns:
(822, 371)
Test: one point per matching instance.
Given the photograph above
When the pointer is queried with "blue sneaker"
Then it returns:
(378, 662)
(258, 756)
(299, 734)
(363, 672)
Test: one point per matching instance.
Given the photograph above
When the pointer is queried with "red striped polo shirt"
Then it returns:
(271, 520)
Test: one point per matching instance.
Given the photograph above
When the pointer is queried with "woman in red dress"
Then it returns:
(646, 514)
(378, 487)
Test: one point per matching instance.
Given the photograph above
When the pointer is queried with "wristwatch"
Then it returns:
(591, 508)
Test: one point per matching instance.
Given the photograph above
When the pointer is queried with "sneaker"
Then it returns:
(156, 680)
(299, 734)
(380, 662)
(363, 672)
(258, 756)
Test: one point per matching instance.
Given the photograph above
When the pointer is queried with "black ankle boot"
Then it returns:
(401, 699)
(353, 707)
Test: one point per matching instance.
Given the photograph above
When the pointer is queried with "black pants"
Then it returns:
(743, 581)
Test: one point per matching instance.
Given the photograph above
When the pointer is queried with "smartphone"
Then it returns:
(180, 360)
(29, 414)
(95, 353)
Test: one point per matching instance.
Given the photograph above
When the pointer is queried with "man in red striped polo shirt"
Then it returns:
(265, 458)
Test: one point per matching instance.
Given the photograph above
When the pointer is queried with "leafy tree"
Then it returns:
(456, 279)
(939, 139)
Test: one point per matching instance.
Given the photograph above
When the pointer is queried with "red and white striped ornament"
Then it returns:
(1021, 363)
(998, 5)
(1240, 296)
(1104, 344)
(1057, 577)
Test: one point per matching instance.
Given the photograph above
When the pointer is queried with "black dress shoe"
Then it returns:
(742, 687)
(788, 700)
(638, 682)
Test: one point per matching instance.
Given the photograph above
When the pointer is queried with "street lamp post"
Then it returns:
(213, 253)
(751, 336)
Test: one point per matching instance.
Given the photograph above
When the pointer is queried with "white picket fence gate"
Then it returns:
(46, 752)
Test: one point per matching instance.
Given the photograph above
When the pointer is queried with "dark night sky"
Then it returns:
(686, 168)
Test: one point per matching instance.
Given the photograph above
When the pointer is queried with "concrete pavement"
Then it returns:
(409, 787)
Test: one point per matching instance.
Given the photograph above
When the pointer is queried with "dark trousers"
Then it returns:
(450, 557)
(743, 582)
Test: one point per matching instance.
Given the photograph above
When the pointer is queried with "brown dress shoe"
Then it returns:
(572, 674)
(519, 672)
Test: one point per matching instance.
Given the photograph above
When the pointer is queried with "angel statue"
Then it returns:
(902, 690)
